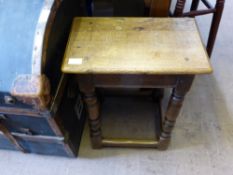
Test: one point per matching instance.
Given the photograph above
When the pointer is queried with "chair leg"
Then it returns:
(215, 25)
(179, 8)
(194, 5)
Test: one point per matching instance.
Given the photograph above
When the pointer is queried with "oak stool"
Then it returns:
(135, 53)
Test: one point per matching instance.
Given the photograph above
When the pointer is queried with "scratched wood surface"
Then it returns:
(135, 46)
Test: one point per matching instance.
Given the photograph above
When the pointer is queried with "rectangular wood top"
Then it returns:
(135, 46)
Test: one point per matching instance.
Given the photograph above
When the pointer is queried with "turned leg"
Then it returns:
(194, 5)
(92, 105)
(179, 8)
(215, 25)
(173, 109)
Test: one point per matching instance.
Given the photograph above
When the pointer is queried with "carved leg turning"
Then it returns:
(179, 8)
(93, 119)
(173, 109)
(93, 109)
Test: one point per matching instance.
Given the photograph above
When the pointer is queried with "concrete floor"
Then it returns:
(202, 141)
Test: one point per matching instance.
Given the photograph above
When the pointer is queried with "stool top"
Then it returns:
(135, 46)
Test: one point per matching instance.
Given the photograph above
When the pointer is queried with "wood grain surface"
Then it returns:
(135, 46)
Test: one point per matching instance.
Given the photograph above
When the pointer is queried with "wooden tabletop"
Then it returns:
(135, 46)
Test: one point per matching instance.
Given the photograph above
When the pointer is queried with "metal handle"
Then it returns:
(26, 131)
(3, 117)
(9, 100)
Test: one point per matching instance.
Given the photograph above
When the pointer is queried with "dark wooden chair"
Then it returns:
(194, 11)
